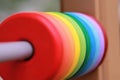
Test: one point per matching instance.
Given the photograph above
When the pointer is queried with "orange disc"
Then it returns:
(69, 47)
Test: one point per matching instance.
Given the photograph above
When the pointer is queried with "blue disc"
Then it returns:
(100, 54)
(94, 40)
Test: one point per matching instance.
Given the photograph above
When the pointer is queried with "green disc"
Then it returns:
(82, 42)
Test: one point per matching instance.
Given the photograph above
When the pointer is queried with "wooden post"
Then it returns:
(106, 11)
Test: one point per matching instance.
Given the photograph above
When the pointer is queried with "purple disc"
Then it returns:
(99, 56)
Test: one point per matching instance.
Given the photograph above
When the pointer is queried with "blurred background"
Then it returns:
(8, 7)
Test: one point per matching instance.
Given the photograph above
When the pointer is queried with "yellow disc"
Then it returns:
(76, 41)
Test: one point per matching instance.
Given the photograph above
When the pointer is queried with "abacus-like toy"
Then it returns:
(50, 46)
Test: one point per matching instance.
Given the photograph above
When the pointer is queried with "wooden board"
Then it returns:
(106, 11)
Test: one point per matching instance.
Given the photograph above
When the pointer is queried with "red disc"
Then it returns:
(46, 41)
